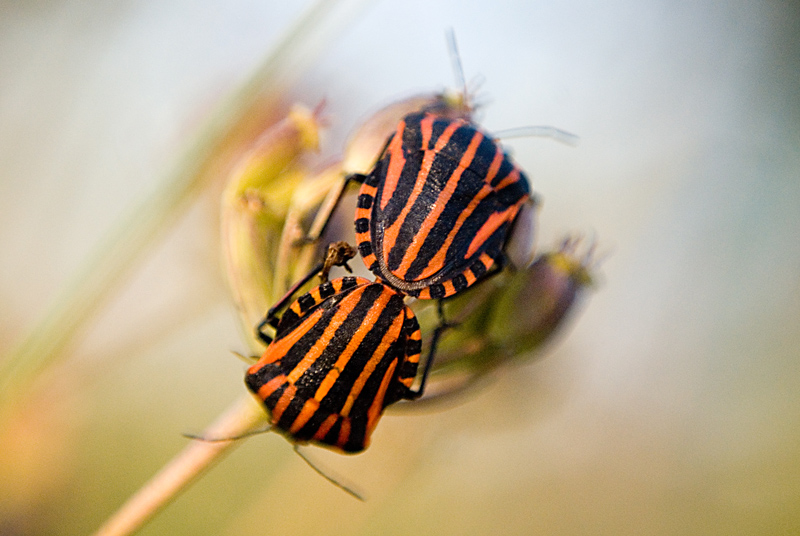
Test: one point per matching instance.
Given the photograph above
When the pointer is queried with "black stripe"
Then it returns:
(407, 369)
(477, 269)
(262, 376)
(441, 170)
(272, 399)
(438, 128)
(310, 380)
(288, 320)
(506, 168)
(468, 187)
(347, 283)
(459, 141)
(367, 395)
(362, 225)
(310, 428)
(336, 397)
(365, 201)
(374, 178)
(306, 302)
(333, 434)
(413, 347)
(365, 249)
(358, 429)
(412, 133)
(460, 282)
(326, 290)
(437, 291)
(402, 191)
(512, 193)
(303, 345)
(291, 412)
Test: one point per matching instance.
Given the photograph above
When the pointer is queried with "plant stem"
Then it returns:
(242, 417)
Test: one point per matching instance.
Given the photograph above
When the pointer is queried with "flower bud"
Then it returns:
(365, 145)
(514, 313)
(539, 299)
(257, 201)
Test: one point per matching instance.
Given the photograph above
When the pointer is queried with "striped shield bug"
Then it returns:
(434, 214)
(341, 353)
(437, 206)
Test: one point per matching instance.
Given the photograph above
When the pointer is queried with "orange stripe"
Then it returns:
(437, 261)
(438, 208)
(314, 293)
(368, 189)
(325, 427)
(369, 320)
(389, 337)
(344, 433)
(271, 386)
(363, 237)
(283, 403)
(375, 409)
(449, 288)
(494, 167)
(369, 260)
(279, 348)
(309, 409)
(470, 277)
(390, 233)
(413, 358)
(362, 213)
(491, 225)
(295, 307)
(345, 307)
(511, 178)
(396, 162)
(426, 127)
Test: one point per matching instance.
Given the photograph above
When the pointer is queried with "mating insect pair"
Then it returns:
(433, 218)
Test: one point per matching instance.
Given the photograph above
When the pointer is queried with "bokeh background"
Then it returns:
(671, 405)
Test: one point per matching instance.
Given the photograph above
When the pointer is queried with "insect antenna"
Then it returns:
(333, 480)
(543, 131)
(455, 61)
(256, 431)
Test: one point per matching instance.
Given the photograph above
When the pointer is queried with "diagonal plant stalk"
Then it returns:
(116, 256)
(239, 419)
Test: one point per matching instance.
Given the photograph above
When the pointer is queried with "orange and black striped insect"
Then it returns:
(434, 214)
(341, 354)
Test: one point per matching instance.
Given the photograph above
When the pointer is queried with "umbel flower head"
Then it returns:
(277, 198)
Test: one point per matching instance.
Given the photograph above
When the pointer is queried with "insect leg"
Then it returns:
(337, 254)
(443, 325)
(325, 214)
(326, 476)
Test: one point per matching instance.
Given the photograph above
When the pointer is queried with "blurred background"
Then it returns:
(671, 405)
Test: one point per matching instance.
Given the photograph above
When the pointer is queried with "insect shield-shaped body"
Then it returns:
(435, 212)
(341, 354)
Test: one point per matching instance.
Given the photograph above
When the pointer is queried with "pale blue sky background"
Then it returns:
(671, 406)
